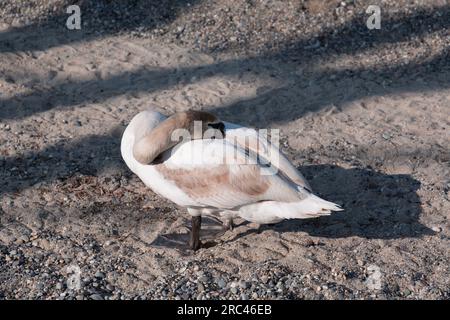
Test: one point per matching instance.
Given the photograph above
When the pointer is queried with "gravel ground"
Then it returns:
(63, 206)
(244, 27)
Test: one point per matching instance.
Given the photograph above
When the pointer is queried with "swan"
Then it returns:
(211, 166)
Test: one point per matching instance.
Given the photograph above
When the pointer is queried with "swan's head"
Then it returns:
(197, 124)
(179, 127)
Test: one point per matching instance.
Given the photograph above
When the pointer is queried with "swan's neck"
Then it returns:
(140, 125)
(149, 146)
(126, 148)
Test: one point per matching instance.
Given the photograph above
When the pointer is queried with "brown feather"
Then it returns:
(208, 182)
(147, 149)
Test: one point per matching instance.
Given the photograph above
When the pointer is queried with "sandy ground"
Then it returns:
(368, 133)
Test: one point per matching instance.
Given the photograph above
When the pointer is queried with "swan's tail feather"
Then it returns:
(310, 207)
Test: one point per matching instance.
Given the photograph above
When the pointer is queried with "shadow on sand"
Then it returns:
(277, 104)
(377, 206)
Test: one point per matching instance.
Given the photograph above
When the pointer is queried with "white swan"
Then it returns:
(242, 175)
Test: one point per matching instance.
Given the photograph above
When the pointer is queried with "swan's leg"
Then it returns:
(195, 243)
(228, 224)
(227, 219)
(196, 223)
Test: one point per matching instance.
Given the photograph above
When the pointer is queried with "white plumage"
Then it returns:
(234, 176)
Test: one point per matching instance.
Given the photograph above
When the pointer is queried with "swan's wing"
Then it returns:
(216, 173)
(258, 143)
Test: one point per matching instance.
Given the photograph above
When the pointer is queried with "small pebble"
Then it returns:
(221, 283)
(96, 296)
(436, 229)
